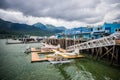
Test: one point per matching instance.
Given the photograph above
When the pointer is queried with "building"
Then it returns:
(111, 28)
(91, 32)
(81, 32)
(97, 32)
(105, 30)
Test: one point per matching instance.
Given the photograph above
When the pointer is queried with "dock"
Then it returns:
(107, 47)
(35, 58)
(21, 42)
(42, 50)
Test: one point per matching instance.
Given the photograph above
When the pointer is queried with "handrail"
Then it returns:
(101, 42)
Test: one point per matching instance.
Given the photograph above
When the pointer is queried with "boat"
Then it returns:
(58, 58)
(59, 62)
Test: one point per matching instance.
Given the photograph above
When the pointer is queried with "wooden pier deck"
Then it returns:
(21, 42)
(35, 57)
(42, 50)
(35, 50)
(117, 42)
(73, 57)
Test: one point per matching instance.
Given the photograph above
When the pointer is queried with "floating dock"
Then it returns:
(35, 56)
(21, 42)
(42, 50)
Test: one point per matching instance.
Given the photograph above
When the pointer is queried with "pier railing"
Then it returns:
(101, 42)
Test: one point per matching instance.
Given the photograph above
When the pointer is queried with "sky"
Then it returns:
(68, 13)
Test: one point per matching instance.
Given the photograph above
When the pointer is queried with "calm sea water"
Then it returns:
(16, 65)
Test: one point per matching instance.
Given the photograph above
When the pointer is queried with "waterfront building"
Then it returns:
(91, 32)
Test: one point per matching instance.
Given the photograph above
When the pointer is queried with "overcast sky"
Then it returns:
(68, 13)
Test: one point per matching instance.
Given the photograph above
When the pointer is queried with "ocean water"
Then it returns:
(16, 65)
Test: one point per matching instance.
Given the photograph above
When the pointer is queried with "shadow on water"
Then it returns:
(60, 68)
(27, 52)
(74, 71)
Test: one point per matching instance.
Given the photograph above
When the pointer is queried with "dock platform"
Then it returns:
(22, 42)
(35, 57)
(42, 50)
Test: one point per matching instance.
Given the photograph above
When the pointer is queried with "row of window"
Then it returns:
(118, 29)
(99, 28)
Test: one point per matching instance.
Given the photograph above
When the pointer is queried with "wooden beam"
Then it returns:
(106, 52)
(112, 58)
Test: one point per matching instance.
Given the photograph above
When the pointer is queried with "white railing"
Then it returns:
(101, 42)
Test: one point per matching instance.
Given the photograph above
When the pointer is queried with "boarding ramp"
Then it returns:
(101, 42)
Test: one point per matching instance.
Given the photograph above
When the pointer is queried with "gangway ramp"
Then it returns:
(101, 42)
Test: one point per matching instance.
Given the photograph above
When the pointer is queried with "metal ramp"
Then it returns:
(101, 42)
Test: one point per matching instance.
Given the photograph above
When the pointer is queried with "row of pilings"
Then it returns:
(64, 42)
(109, 53)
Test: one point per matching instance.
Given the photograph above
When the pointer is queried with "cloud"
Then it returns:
(68, 13)
(19, 17)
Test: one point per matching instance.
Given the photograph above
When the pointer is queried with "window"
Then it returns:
(101, 36)
(100, 28)
(118, 29)
(107, 31)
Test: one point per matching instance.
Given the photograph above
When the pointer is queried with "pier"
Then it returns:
(102, 48)
(64, 43)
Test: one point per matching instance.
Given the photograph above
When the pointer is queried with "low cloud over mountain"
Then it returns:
(69, 13)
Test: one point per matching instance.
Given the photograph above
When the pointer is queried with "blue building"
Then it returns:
(97, 32)
(105, 30)
(91, 32)
(81, 32)
(84, 32)
(111, 28)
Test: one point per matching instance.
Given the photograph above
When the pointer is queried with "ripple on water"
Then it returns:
(76, 74)
(107, 78)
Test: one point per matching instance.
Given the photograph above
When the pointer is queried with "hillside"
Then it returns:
(7, 27)
(49, 27)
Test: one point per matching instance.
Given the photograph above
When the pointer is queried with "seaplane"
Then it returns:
(62, 57)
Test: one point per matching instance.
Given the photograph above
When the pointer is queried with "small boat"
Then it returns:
(59, 62)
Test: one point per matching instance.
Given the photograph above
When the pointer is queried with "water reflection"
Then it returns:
(74, 71)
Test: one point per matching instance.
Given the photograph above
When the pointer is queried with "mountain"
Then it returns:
(7, 27)
(40, 25)
(61, 28)
(49, 27)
